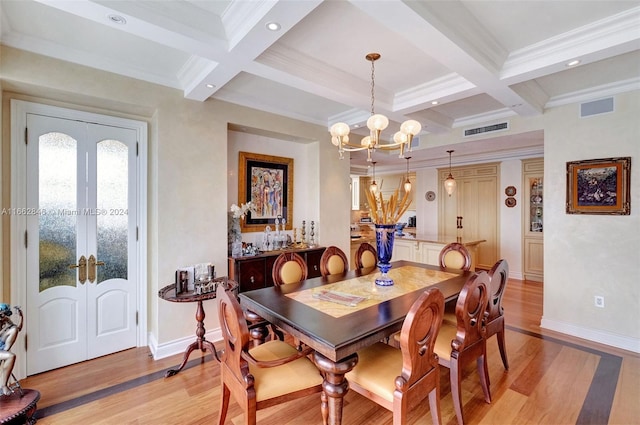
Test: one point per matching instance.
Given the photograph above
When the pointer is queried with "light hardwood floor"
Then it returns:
(553, 379)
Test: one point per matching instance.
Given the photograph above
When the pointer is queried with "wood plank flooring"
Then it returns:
(553, 379)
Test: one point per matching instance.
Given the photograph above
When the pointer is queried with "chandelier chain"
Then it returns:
(373, 84)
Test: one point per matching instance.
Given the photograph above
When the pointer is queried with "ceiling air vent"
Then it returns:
(487, 129)
(596, 107)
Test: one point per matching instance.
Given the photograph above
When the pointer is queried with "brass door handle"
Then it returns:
(82, 266)
(92, 267)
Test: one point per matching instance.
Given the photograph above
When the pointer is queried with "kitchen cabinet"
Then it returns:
(475, 200)
(533, 218)
(405, 250)
(364, 186)
(255, 272)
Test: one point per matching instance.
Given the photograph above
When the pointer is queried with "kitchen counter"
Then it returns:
(438, 239)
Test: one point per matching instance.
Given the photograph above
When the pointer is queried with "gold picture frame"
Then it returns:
(599, 186)
(267, 182)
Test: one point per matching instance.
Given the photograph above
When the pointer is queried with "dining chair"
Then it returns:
(262, 376)
(366, 256)
(455, 256)
(333, 261)
(458, 345)
(494, 319)
(399, 379)
(288, 267)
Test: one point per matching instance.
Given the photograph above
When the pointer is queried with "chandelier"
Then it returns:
(450, 182)
(376, 124)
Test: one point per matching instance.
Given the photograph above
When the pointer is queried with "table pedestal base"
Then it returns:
(200, 343)
(334, 386)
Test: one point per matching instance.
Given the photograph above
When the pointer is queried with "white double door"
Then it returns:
(81, 241)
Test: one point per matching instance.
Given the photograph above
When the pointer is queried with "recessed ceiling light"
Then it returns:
(117, 19)
(435, 102)
(273, 26)
(210, 86)
(356, 126)
(573, 63)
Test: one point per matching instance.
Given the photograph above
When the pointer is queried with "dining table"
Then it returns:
(338, 315)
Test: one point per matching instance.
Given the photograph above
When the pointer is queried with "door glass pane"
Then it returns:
(57, 190)
(112, 203)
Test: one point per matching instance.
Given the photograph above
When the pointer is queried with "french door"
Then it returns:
(81, 261)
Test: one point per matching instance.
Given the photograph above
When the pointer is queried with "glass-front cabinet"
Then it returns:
(536, 204)
(533, 220)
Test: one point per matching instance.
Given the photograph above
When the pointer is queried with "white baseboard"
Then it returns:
(601, 337)
(178, 346)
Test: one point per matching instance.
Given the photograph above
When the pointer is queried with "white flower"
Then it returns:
(241, 211)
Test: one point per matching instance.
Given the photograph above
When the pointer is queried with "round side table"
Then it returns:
(168, 293)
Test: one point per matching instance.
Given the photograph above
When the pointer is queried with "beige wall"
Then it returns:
(588, 255)
(187, 172)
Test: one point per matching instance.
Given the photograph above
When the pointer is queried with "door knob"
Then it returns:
(93, 262)
(82, 269)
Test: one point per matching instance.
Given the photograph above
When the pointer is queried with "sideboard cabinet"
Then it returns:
(255, 272)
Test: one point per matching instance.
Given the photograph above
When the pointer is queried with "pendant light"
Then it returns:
(407, 183)
(373, 187)
(450, 182)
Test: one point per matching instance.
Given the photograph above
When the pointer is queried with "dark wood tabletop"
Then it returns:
(337, 338)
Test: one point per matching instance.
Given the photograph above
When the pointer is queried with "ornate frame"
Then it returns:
(252, 168)
(599, 186)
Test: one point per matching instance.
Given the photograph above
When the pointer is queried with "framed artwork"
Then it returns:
(599, 186)
(267, 182)
(510, 191)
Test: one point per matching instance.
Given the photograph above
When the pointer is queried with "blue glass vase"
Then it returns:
(385, 234)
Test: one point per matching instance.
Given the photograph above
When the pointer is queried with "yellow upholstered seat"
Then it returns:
(366, 256)
(288, 378)
(333, 261)
(288, 267)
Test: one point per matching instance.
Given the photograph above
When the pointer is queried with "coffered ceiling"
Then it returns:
(481, 61)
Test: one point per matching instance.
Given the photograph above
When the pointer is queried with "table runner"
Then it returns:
(407, 279)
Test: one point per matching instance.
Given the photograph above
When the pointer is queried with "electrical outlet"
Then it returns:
(599, 301)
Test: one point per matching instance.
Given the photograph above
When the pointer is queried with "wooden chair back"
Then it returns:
(418, 337)
(499, 274)
(470, 309)
(333, 261)
(494, 325)
(289, 267)
(455, 256)
(366, 256)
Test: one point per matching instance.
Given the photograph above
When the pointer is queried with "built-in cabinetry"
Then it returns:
(428, 252)
(255, 272)
(475, 201)
(533, 218)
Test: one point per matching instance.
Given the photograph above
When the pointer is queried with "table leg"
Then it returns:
(334, 386)
(200, 342)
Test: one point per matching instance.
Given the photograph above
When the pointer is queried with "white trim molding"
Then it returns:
(601, 337)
